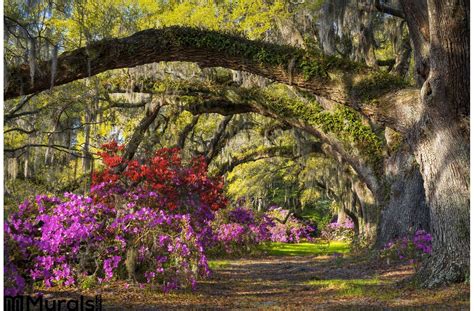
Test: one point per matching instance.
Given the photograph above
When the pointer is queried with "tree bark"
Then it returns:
(440, 141)
(416, 15)
(406, 210)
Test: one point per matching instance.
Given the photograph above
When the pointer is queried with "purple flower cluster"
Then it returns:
(240, 229)
(290, 231)
(237, 230)
(412, 249)
(231, 232)
(109, 265)
(14, 282)
(59, 241)
(422, 241)
(347, 224)
(339, 231)
(242, 215)
(48, 235)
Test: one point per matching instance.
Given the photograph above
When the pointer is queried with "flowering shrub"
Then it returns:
(242, 229)
(239, 230)
(339, 232)
(149, 223)
(291, 231)
(411, 249)
(14, 282)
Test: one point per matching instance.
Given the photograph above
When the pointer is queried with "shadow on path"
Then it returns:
(291, 283)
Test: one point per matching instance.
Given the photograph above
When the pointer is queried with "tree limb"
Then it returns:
(218, 135)
(186, 130)
(387, 9)
(12, 152)
(138, 135)
(266, 153)
(207, 48)
(20, 104)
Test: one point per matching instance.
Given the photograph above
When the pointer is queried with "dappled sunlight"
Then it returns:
(285, 280)
(300, 249)
(237, 154)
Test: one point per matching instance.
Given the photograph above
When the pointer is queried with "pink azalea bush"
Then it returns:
(412, 249)
(339, 231)
(149, 223)
(290, 231)
(241, 230)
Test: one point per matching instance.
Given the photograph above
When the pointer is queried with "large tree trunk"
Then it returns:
(443, 154)
(406, 210)
(440, 141)
(370, 211)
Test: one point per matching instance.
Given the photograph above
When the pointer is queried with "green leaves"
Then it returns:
(344, 122)
(376, 84)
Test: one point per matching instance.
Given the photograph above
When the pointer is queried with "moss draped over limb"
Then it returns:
(335, 79)
(265, 153)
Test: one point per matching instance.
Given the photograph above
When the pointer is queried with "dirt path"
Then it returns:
(292, 283)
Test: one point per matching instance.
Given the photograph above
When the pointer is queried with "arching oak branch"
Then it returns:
(334, 79)
(207, 48)
(266, 153)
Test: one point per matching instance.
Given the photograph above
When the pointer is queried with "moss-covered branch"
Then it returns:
(207, 48)
(263, 153)
(334, 79)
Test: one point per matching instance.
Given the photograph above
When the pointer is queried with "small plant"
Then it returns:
(88, 282)
(338, 259)
(413, 250)
(338, 232)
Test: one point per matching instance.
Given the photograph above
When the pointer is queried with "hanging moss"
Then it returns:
(344, 122)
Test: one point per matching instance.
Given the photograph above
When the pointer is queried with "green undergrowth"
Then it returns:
(218, 264)
(375, 84)
(371, 287)
(305, 249)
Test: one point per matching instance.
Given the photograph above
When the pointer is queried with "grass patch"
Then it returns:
(302, 249)
(216, 264)
(373, 288)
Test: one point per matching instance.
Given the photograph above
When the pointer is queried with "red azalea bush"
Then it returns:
(149, 222)
(164, 174)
